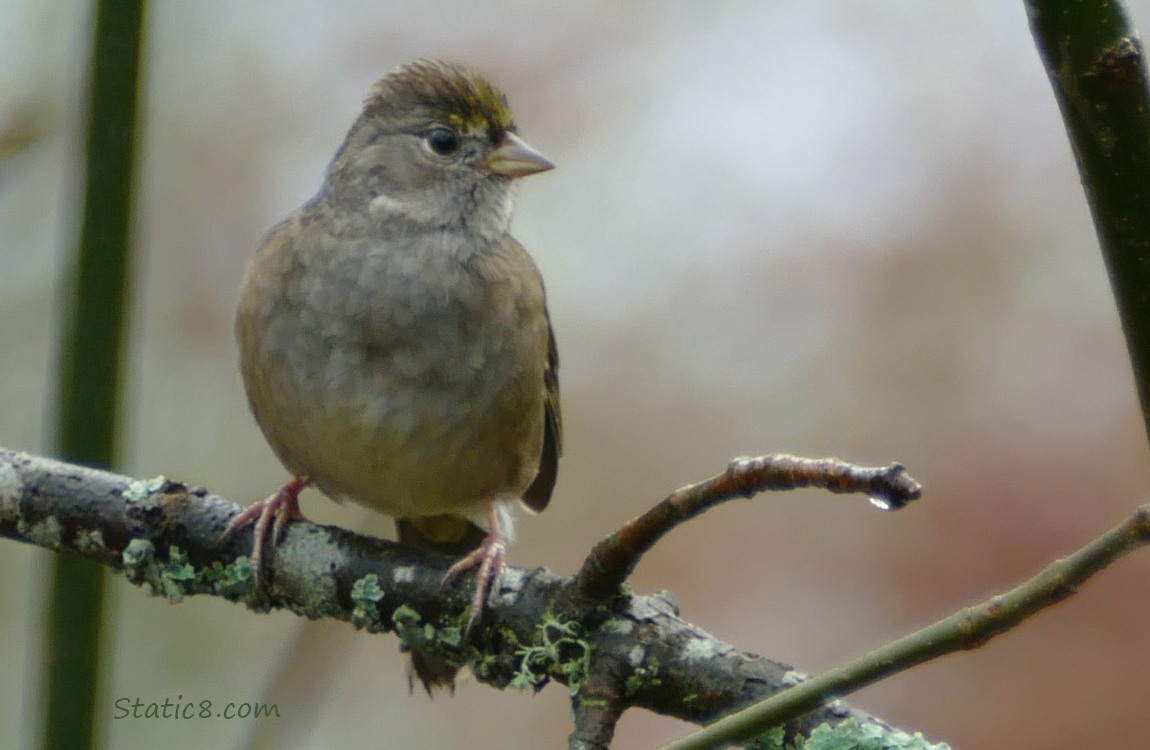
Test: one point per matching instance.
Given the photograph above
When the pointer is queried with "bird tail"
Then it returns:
(446, 534)
(450, 535)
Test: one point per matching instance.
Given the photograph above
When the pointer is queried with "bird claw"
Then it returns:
(274, 511)
(489, 558)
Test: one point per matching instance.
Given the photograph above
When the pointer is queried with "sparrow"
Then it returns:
(394, 339)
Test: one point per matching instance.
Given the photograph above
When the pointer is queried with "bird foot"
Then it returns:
(274, 511)
(488, 557)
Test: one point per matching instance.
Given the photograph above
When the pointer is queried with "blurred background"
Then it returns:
(848, 229)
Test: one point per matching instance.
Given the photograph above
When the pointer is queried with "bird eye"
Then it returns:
(442, 141)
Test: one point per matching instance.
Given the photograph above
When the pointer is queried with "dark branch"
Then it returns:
(1097, 67)
(614, 654)
(597, 706)
(616, 557)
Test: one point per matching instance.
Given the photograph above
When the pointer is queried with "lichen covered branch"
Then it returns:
(615, 653)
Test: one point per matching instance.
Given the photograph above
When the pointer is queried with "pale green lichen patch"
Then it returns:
(699, 649)
(618, 626)
(556, 651)
(47, 533)
(643, 677)
(89, 541)
(415, 633)
(303, 560)
(792, 678)
(635, 655)
(846, 735)
(407, 626)
(232, 581)
(851, 735)
(138, 552)
(366, 594)
(174, 579)
(510, 587)
(10, 485)
(177, 576)
(140, 564)
(514, 577)
(140, 489)
(450, 636)
(774, 738)
(403, 574)
(309, 606)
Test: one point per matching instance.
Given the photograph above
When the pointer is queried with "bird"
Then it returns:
(394, 339)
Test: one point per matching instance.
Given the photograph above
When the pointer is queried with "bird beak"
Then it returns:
(514, 158)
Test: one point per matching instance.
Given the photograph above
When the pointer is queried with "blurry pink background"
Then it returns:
(848, 229)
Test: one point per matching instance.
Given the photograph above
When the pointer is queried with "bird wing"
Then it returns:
(539, 493)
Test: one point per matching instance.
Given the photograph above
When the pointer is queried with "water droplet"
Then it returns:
(881, 503)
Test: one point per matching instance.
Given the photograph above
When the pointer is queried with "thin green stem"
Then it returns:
(91, 353)
(966, 629)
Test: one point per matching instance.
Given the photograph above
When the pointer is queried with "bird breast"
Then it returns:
(405, 377)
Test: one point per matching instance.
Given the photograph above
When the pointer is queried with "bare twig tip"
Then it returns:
(896, 488)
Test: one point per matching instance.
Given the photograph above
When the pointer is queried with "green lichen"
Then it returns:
(140, 564)
(140, 489)
(232, 581)
(90, 541)
(643, 677)
(846, 735)
(414, 632)
(450, 635)
(556, 651)
(47, 533)
(699, 649)
(407, 626)
(367, 595)
(177, 575)
(772, 739)
(792, 678)
(138, 554)
(636, 654)
(617, 625)
(303, 603)
(173, 579)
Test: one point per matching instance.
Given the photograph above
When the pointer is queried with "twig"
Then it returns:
(969, 628)
(613, 559)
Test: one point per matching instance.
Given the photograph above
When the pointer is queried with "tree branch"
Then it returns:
(614, 653)
(1096, 65)
(613, 560)
(966, 629)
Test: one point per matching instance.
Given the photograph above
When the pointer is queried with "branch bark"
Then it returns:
(1096, 65)
(615, 558)
(616, 652)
